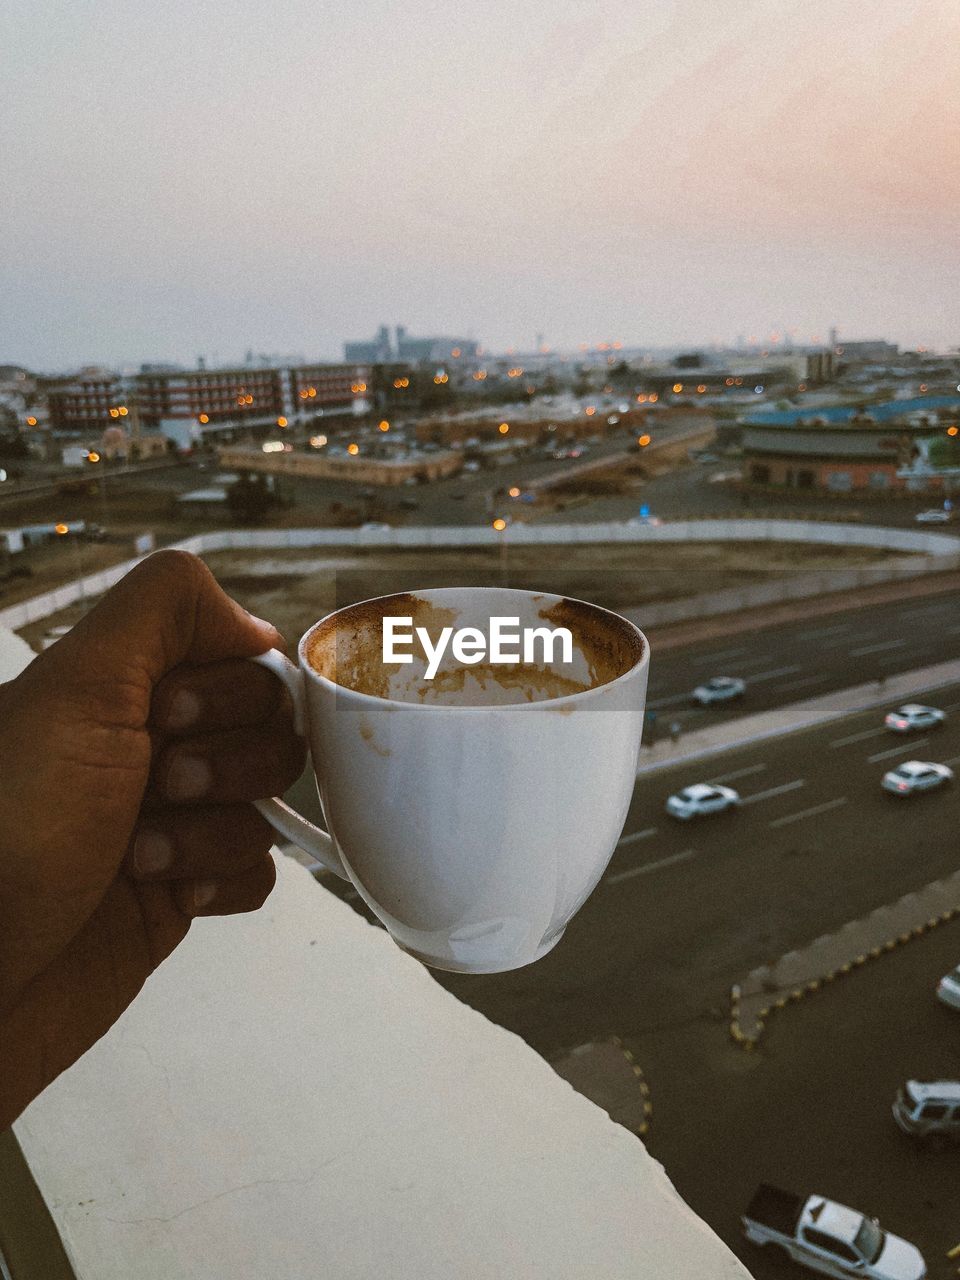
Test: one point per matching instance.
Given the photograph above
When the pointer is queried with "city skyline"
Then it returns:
(184, 183)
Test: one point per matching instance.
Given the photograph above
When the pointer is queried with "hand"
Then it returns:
(129, 754)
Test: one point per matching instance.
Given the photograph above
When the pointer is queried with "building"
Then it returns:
(866, 351)
(842, 449)
(406, 349)
(189, 405)
(79, 405)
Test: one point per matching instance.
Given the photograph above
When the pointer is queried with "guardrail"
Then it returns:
(942, 552)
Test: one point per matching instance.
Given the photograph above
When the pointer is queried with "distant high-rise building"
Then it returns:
(409, 350)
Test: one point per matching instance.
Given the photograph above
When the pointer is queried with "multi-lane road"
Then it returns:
(800, 660)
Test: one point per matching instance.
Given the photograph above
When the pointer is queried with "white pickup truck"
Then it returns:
(828, 1237)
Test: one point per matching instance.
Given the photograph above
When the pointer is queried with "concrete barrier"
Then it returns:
(941, 552)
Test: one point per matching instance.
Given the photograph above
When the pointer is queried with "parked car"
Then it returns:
(916, 775)
(929, 1112)
(936, 515)
(914, 716)
(700, 800)
(828, 1237)
(719, 689)
(948, 988)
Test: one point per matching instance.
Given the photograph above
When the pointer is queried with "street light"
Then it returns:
(500, 525)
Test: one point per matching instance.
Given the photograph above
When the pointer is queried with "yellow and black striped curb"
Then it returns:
(748, 1042)
(637, 1070)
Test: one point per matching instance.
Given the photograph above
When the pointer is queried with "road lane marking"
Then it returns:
(952, 761)
(772, 675)
(808, 813)
(876, 648)
(666, 702)
(637, 835)
(897, 751)
(823, 631)
(704, 659)
(652, 866)
(737, 773)
(799, 684)
(858, 737)
(773, 791)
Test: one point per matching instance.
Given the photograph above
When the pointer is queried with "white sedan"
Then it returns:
(914, 716)
(916, 775)
(701, 799)
(934, 516)
(719, 689)
(948, 988)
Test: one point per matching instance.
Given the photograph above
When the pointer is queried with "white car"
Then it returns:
(948, 988)
(719, 689)
(916, 775)
(914, 716)
(934, 516)
(701, 799)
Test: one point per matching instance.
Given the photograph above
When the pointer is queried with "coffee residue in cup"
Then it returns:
(347, 649)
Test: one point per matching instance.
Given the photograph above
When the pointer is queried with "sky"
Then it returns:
(210, 177)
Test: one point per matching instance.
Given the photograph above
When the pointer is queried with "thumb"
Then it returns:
(168, 610)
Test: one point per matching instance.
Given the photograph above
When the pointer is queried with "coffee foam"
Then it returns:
(347, 649)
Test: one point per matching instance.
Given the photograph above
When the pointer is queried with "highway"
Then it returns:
(687, 909)
(799, 660)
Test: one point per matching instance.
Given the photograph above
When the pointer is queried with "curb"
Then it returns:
(749, 1042)
(637, 1070)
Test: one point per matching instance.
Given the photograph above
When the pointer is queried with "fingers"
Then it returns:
(214, 861)
(167, 610)
(229, 766)
(198, 844)
(217, 695)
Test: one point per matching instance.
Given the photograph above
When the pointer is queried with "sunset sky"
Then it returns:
(209, 177)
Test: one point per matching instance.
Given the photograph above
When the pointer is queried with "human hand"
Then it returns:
(129, 754)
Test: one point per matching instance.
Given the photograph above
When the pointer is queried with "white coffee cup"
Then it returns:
(474, 813)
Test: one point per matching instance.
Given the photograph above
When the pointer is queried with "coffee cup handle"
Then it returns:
(298, 829)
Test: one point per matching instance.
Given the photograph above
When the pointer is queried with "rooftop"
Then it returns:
(837, 415)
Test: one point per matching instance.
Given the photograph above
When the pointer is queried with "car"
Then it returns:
(914, 716)
(916, 775)
(701, 799)
(719, 689)
(948, 988)
(936, 515)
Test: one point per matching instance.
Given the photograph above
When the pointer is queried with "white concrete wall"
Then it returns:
(943, 550)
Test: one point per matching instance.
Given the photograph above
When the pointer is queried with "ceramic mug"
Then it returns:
(474, 812)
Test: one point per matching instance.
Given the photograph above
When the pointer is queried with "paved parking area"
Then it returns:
(809, 1109)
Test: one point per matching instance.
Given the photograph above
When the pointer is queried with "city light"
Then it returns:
(952, 431)
(318, 441)
(499, 524)
(400, 383)
(114, 413)
(455, 353)
(272, 446)
(590, 410)
(701, 389)
(32, 422)
(122, 410)
(643, 441)
(384, 425)
(203, 418)
(677, 388)
(353, 450)
(61, 529)
(281, 422)
(503, 428)
(654, 398)
(514, 492)
(92, 456)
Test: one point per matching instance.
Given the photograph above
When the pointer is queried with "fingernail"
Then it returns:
(188, 778)
(261, 622)
(184, 710)
(152, 852)
(204, 892)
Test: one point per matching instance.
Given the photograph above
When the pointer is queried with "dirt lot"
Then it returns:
(293, 589)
